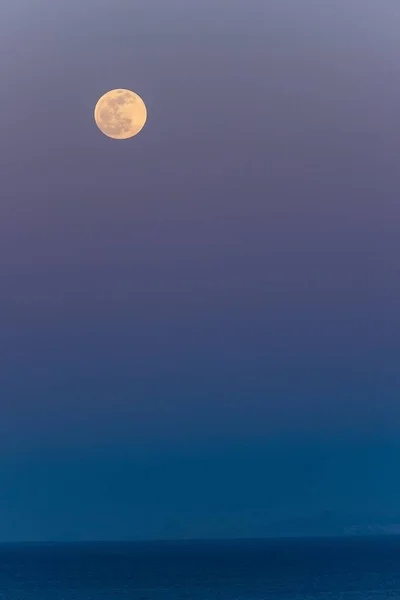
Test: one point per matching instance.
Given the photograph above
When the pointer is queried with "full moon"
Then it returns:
(120, 114)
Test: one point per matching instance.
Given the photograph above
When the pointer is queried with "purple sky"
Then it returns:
(230, 276)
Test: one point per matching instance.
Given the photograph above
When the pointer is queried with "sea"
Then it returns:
(273, 569)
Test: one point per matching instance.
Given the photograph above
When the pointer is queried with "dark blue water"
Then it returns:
(349, 568)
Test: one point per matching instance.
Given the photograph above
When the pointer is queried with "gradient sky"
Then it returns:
(200, 330)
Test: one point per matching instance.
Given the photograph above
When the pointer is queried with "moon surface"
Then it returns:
(120, 114)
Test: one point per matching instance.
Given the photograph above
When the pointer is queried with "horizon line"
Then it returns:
(199, 539)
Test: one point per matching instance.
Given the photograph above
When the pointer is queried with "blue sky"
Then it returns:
(228, 279)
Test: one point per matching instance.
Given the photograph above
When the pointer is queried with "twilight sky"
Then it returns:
(200, 330)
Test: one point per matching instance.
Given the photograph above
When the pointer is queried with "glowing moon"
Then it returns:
(120, 114)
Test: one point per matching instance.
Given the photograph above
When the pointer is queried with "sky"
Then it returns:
(200, 333)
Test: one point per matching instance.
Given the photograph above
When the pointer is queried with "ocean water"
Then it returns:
(351, 568)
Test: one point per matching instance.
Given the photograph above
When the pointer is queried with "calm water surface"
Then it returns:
(351, 568)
